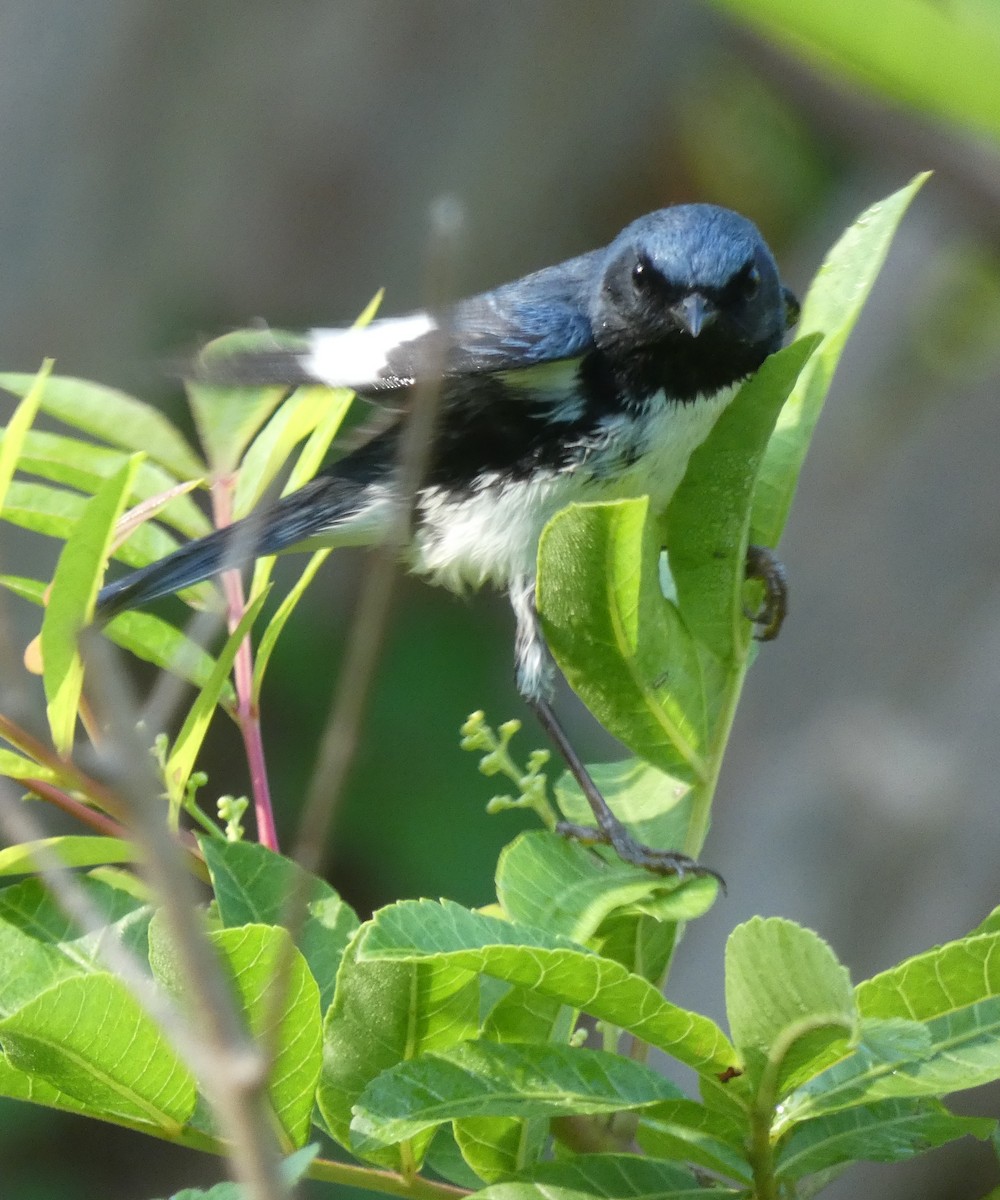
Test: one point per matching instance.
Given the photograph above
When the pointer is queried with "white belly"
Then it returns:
(493, 534)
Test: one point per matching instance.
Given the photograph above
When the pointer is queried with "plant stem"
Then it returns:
(247, 713)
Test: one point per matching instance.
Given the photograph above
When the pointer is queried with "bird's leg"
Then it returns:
(535, 669)
(763, 564)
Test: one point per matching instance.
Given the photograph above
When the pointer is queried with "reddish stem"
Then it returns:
(247, 713)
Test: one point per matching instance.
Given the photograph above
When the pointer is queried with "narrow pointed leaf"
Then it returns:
(182, 758)
(115, 418)
(72, 850)
(832, 307)
(71, 603)
(17, 430)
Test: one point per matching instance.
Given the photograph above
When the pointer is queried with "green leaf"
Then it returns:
(687, 1131)
(16, 432)
(182, 757)
(483, 1079)
(784, 986)
(284, 610)
(951, 997)
(708, 521)
(831, 307)
(887, 1131)
(88, 1037)
(115, 418)
(624, 649)
(558, 885)
(606, 1176)
(71, 603)
(72, 850)
(255, 954)
(158, 642)
(446, 933)
(382, 1014)
(16, 766)
(56, 512)
(228, 417)
(253, 885)
(84, 466)
(931, 58)
(40, 946)
(307, 409)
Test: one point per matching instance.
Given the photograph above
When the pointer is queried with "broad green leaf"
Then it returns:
(887, 1131)
(71, 603)
(115, 418)
(554, 884)
(989, 924)
(284, 610)
(158, 642)
(484, 1079)
(606, 1177)
(253, 885)
(937, 983)
(384, 1013)
(71, 850)
(450, 935)
(40, 946)
(899, 1059)
(687, 1131)
(708, 521)
(182, 757)
(84, 466)
(831, 307)
(228, 417)
(951, 997)
(88, 1037)
(623, 648)
(56, 512)
(923, 55)
(17, 430)
(784, 990)
(254, 955)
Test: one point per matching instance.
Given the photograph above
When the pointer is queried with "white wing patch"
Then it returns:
(353, 358)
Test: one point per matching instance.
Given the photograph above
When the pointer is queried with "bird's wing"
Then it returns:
(538, 319)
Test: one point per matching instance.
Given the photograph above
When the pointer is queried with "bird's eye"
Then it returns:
(643, 273)
(749, 282)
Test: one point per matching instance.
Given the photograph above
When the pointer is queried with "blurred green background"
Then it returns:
(173, 170)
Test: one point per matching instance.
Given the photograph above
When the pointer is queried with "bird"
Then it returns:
(591, 380)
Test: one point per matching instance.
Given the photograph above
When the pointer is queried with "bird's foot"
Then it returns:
(660, 862)
(764, 565)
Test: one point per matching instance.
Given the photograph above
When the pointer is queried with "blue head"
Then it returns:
(691, 274)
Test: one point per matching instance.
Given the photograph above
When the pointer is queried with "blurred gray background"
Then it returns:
(170, 170)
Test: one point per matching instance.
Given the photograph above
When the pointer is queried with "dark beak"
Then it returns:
(693, 313)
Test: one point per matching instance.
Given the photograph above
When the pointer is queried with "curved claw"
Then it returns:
(764, 565)
(660, 862)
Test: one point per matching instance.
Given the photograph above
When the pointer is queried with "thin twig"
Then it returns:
(247, 712)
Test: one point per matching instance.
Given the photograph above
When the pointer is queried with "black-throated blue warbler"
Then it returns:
(594, 379)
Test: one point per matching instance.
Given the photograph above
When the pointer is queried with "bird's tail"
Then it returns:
(323, 506)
